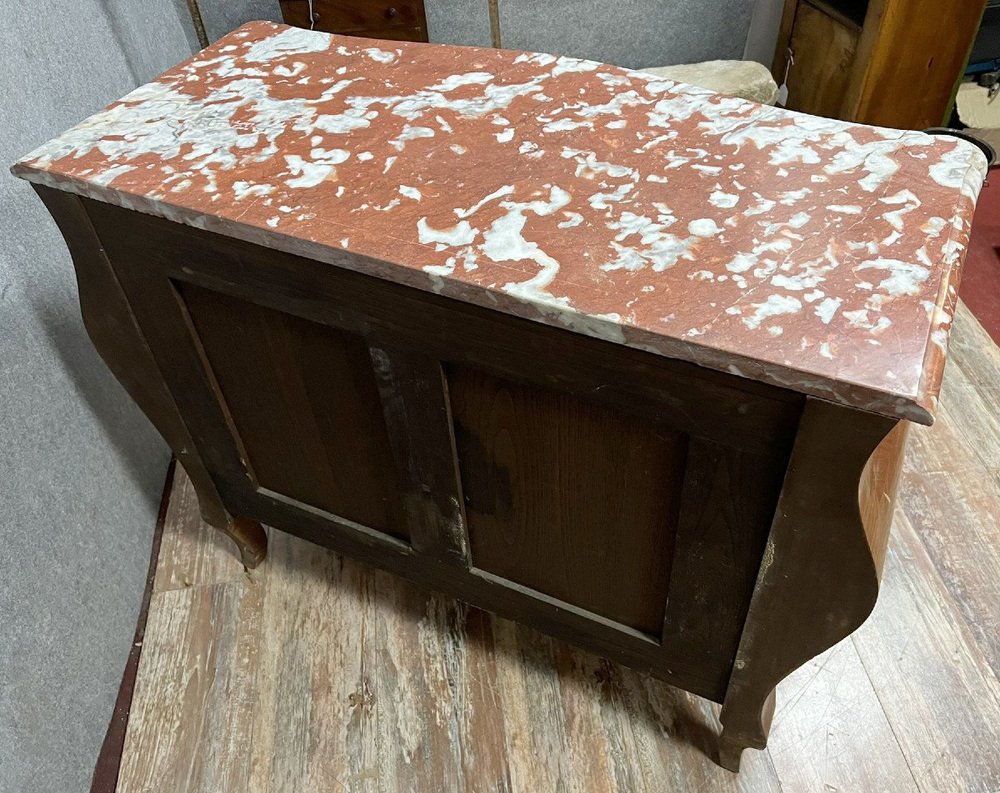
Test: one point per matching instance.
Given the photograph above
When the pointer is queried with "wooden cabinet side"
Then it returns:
(118, 339)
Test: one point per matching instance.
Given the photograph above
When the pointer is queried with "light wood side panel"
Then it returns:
(568, 497)
(911, 56)
(877, 490)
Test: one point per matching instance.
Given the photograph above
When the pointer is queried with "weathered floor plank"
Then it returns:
(830, 732)
(954, 506)
(200, 653)
(192, 553)
(950, 486)
(938, 691)
(315, 673)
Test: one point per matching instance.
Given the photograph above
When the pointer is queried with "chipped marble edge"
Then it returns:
(919, 408)
(936, 350)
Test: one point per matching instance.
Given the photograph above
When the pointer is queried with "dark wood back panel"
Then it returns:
(304, 402)
(720, 407)
(567, 496)
(528, 469)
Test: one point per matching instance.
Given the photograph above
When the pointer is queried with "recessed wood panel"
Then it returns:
(305, 405)
(569, 497)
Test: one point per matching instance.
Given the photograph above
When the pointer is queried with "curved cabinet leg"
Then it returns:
(250, 538)
(819, 576)
(114, 332)
(748, 730)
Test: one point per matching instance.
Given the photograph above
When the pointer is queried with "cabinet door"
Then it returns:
(824, 48)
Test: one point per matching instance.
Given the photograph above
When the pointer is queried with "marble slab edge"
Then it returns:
(919, 407)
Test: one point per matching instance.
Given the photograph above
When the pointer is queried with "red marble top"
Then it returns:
(814, 254)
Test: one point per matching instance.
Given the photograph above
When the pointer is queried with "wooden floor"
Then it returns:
(314, 673)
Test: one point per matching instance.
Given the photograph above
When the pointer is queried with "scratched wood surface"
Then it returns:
(315, 673)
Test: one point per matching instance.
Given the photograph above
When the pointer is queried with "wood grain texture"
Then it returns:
(371, 684)
(305, 406)
(951, 485)
(417, 415)
(727, 505)
(401, 20)
(819, 576)
(567, 496)
(972, 392)
(877, 490)
(969, 566)
(882, 62)
(568, 435)
(831, 733)
(184, 560)
(202, 719)
(923, 660)
(235, 403)
(824, 50)
(905, 73)
(349, 679)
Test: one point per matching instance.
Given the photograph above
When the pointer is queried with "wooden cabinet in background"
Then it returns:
(399, 20)
(893, 63)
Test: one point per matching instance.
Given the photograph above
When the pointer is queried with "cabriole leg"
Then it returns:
(819, 575)
(250, 538)
(746, 726)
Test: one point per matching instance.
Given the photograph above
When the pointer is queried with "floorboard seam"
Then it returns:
(885, 714)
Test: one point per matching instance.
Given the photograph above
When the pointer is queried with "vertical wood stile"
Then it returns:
(414, 396)
(727, 501)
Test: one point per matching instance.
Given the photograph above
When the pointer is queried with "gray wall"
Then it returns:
(763, 34)
(81, 471)
(633, 33)
(221, 16)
